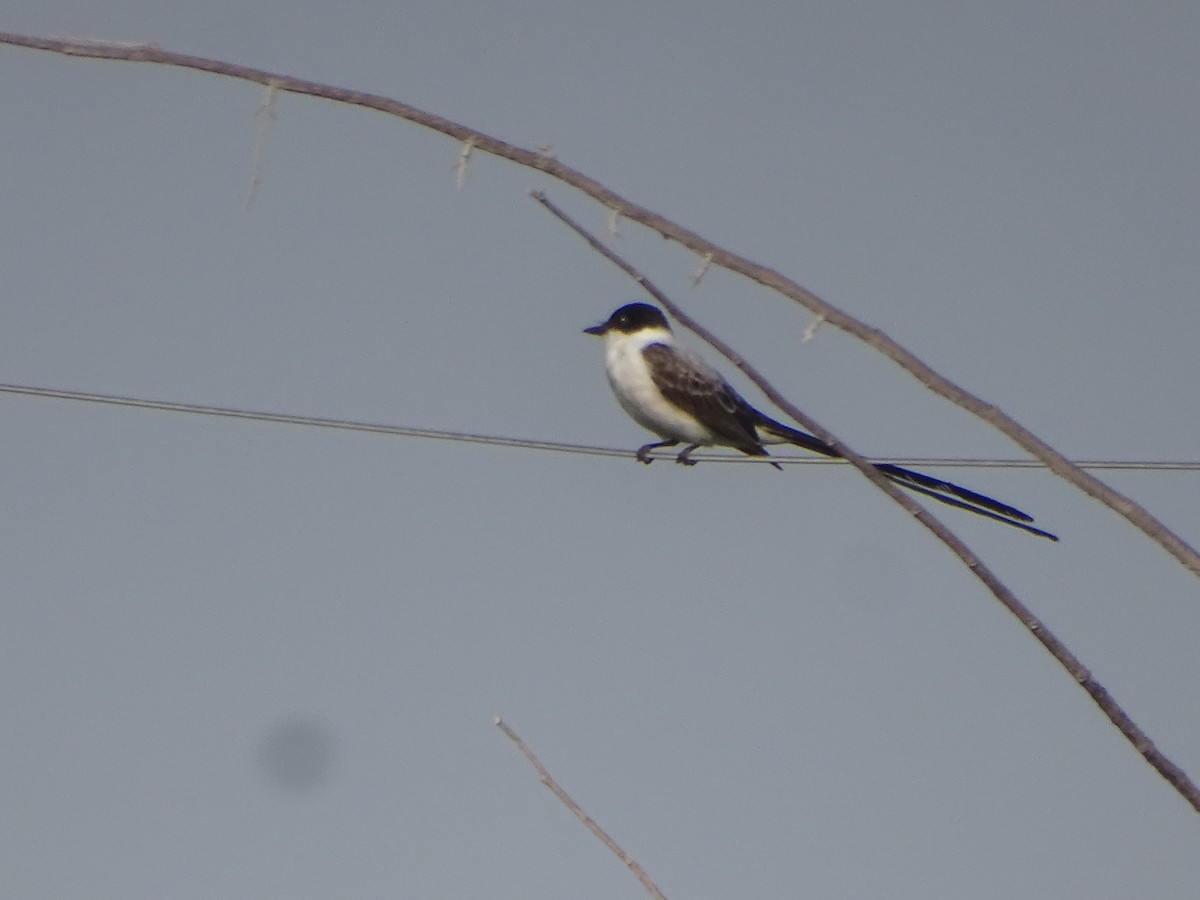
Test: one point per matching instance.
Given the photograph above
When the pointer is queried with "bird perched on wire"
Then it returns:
(671, 391)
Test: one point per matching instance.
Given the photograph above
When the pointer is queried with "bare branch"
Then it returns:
(622, 208)
(1125, 725)
(548, 781)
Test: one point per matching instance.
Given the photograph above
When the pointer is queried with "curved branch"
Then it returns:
(544, 162)
(1141, 742)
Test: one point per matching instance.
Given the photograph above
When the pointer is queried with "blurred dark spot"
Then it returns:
(298, 755)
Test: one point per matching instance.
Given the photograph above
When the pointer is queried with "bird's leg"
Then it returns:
(685, 455)
(643, 453)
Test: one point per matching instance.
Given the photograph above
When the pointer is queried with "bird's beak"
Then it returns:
(597, 330)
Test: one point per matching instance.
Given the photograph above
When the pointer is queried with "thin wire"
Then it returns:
(552, 446)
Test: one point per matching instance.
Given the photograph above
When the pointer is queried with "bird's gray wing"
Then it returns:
(689, 383)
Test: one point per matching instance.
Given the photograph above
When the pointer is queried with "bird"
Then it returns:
(670, 390)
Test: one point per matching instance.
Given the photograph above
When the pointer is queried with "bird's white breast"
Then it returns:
(629, 376)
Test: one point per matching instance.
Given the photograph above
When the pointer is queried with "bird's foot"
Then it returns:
(643, 454)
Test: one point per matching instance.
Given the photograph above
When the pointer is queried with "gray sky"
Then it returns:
(249, 660)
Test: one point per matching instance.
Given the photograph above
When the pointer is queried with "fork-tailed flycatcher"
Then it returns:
(673, 392)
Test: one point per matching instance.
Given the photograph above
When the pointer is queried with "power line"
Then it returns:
(553, 446)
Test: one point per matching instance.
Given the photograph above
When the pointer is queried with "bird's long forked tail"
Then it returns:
(935, 488)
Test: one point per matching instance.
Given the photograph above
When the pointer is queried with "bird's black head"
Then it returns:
(630, 318)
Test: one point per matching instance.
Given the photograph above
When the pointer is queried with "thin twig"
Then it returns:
(462, 164)
(1125, 725)
(556, 789)
(701, 269)
(263, 118)
(623, 208)
(810, 330)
